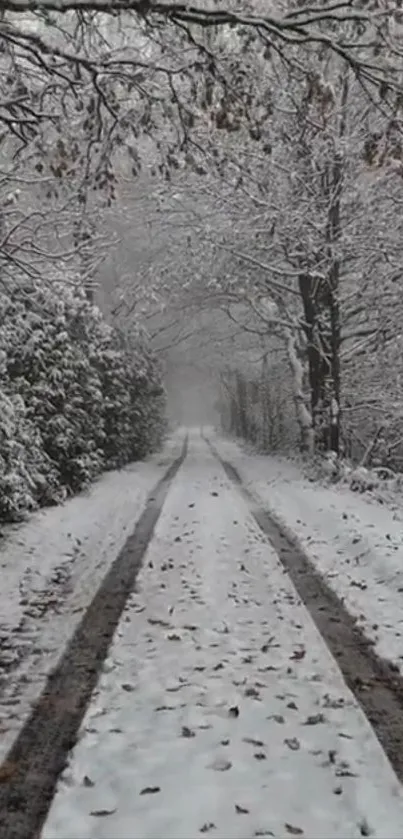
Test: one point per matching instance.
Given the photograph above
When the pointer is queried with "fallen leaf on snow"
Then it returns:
(150, 790)
(265, 648)
(174, 637)
(252, 741)
(206, 827)
(220, 764)
(175, 688)
(345, 773)
(277, 718)
(158, 622)
(298, 655)
(234, 711)
(239, 809)
(87, 782)
(365, 829)
(260, 756)
(292, 743)
(252, 692)
(263, 833)
(315, 719)
(128, 687)
(295, 831)
(102, 812)
(187, 732)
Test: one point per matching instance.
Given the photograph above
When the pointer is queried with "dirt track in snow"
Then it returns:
(29, 775)
(374, 682)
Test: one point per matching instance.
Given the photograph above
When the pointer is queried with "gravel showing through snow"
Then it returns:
(220, 710)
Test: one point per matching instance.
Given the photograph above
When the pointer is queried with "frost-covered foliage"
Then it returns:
(256, 405)
(74, 398)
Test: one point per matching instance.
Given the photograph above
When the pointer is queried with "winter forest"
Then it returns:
(200, 221)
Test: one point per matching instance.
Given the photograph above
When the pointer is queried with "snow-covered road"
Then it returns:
(220, 710)
(355, 542)
(51, 567)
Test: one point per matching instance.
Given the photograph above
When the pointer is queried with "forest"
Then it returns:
(216, 187)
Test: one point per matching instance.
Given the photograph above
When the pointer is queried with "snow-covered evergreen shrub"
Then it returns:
(74, 398)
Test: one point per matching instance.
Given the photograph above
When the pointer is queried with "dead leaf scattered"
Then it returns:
(292, 743)
(187, 732)
(241, 810)
(252, 692)
(150, 790)
(277, 718)
(253, 742)
(206, 827)
(293, 829)
(315, 719)
(128, 687)
(87, 782)
(234, 711)
(174, 637)
(158, 622)
(102, 812)
(345, 773)
(298, 655)
(175, 688)
(220, 764)
(265, 648)
(365, 829)
(260, 756)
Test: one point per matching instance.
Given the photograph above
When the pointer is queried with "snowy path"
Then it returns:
(220, 710)
(51, 567)
(354, 542)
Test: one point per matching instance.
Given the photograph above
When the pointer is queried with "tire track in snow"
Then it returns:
(376, 686)
(29, 774)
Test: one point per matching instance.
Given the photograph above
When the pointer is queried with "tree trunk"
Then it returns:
(304, 417)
